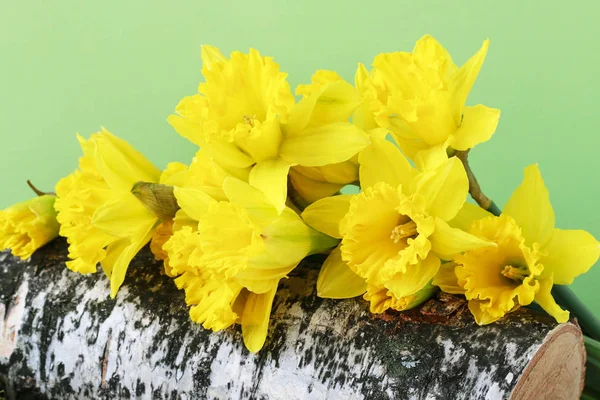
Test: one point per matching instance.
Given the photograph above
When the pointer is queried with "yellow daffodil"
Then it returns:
(230, 262)
(531, 255)
(373, 94)
(395, 232)
(423, 100)
(103, 221)
(27, 226)
(244, 117)
(381, 298)
(314, 183)
(203, 173)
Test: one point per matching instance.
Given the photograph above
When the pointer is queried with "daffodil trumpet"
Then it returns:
(564, 296)
(29, 225)
(245, 117)
(231, 254)
(395, 233)
(530, 256)
(103, 221)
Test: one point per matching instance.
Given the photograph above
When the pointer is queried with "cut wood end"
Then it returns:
(557, 370)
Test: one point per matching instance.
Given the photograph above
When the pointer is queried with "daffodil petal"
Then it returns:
(462, 81)
(270, 177)
(478, 125)
(287, 239)
(446, 279)
(544, 298)
(211, 56)
(337, 281)
(334, 102)
(194, 202)
(530, 206)
(187, 128)
(482, 313)
(174, 174)
(416, 277)
(444, 189)
(113, 252)
(570, 253)
(120, 164)
(325, 215)
(467, 215)
(323, 145)
(261, 211)
(320, 79)
(255, 319)
(428, 48)
(446, 241)
(227, 153)
(381, 161)
(432, 157)
(310, 190)
(124, 217)
(118, 257)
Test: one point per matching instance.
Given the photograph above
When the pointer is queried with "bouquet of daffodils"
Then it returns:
(264, 191)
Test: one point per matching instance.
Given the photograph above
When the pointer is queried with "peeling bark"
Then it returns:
(72, 341)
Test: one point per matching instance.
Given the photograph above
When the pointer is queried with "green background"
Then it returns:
(72, 66)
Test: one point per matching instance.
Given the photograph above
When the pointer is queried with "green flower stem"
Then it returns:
(494, 209)
(589, 394)
(592, 369)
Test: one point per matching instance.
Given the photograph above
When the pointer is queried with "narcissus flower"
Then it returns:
(531, 255)
(203, 173)
(381, 298)
(314, 183)
(231, 261)
(103, 221)
(395, 232)
(244, 117)
(425, 103)
(27, 226)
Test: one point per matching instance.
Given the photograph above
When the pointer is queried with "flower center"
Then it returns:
(516, 273)
(248, 120)
(404, 231)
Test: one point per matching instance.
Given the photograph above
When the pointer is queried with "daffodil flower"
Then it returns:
(244, 117)
(314, 183)
(394, 234)
(422, 101)
(103, 221)
(27, 226)
(530, 257)
(231, 260)
(380, 298)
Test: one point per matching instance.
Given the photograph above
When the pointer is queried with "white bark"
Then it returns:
(71, 341)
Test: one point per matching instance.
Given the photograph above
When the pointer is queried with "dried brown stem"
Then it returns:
(38, 191)
(474, 187)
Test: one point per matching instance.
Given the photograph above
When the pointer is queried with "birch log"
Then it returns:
(63, 337)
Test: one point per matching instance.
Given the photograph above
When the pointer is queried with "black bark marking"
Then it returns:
(346, 346)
